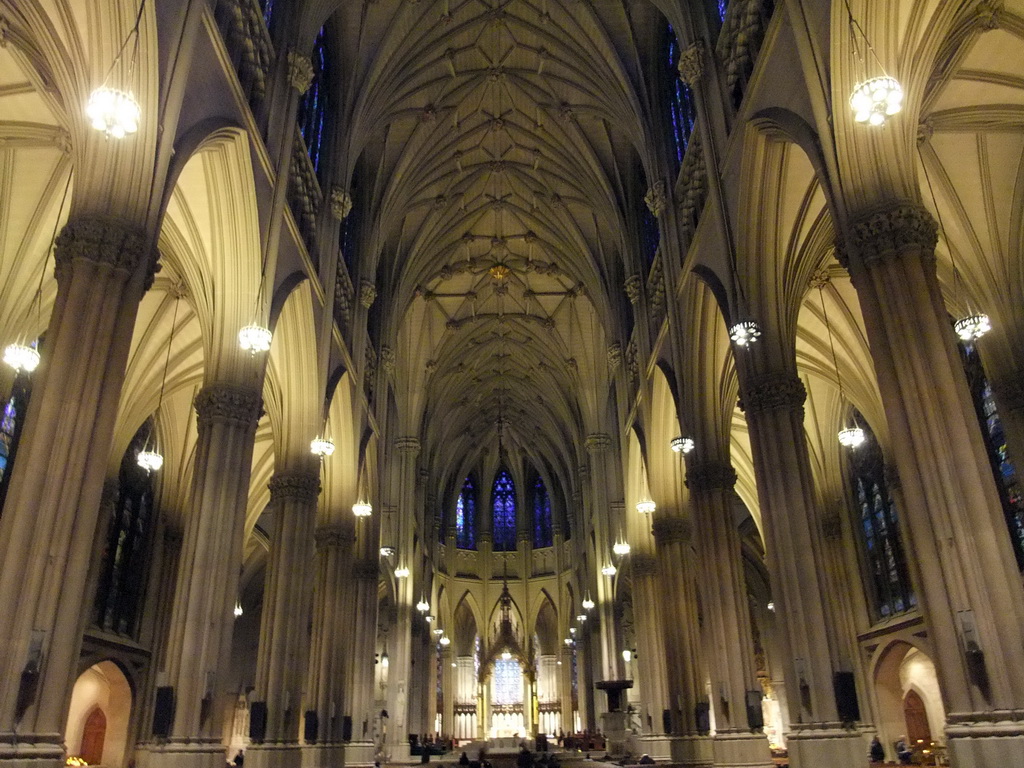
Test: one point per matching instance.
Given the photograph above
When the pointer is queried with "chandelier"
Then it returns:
(581, 617)
(972, 327)
(621, 548)
(609, 570)
(875, 99)
(851, 437)
(151, 461)
(363, 509)
(255, 338)
(21, 357)
(682, 444)
(387, 551)
(745, 333)
(445, 641)
(422, 606)
(646, 507)
(238, 609)
(587, 603)
(322, 447)
(401, 573)
(110, 110)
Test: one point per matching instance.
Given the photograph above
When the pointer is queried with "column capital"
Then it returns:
(710, 476)
(341, 203)
(407, 444)
(633, 285)
(691, 63)
(671, 530)
(302, 487)
(366, 570)
(330, 536)
(101, 240)
(598, 442)
(228, 404)
(886, 232)
(300, 72)
(643, 564)
(772, 392)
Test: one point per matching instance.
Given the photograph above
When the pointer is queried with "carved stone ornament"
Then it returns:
(341, 203)
(614, 356)
(773, 392)
(407, 444)
(643, 564)
(657, 198)
(102, 241)
(890, 231)
(367, 293)
(387, 360)
(228, 404)
(300, 487)
(671, 530)
(691, 63)
(710, 476)
(300, 72)
(598, 442)
(331, 536)
(366, 570)
(632, 287)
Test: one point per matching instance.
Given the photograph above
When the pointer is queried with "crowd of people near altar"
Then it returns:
(584, 741)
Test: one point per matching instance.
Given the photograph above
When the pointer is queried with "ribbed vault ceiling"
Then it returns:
(499, 147)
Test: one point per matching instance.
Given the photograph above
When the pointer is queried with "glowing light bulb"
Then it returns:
(321, 447)
(682, 444)
(971, 327)
(646, 507)
(362, 509)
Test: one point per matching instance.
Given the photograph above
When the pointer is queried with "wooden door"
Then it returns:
(917, 719)
(93, 735)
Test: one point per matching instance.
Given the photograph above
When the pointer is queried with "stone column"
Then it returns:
(773, 403)
(52, 506)
(971, 590)
(681, 633)
(202, 620)
(284, 623)
(360, 668)
(651, 662)
(330, 649)
(738, 741)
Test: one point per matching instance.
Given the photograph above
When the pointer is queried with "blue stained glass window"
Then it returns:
(542, 533)
(313, 105)
(268, 11)
(12, 419)
(8, 423)
(888, 578)
(682, 109)
(465, 516)
(504, 509)
(1008, 483)
(507, 683)
(722, 5)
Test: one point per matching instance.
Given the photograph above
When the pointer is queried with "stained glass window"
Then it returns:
(267, 7)
(504, 508)
(1008, 482)
(542, 533)
(682, 109)
(722, 6)
(465, 516)
(882, 549)
(12, 419)
(507, 683)
(119, 593)
(313, 104)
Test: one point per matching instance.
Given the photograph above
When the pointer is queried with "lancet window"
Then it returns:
(314, 103)
(465, 516)
(543, 536)
(883, 557)
(681, 106)
(503, 507)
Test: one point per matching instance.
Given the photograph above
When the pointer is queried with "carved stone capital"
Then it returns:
(773, 392)
(341, 203)
(598, 442)
(614, 356)
(710, 476)
(333, 536)
(299, 487)
(228, 404)
(366, 570)
(101, 241)
(657, 198)
(632, 286)
(691, 63)
(300, 72)
(367, 293)
(387, 360)
(643, 564)
(671, 530)
(888, 232)
(407, 444)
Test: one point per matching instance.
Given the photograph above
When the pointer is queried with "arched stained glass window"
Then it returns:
(882, 549)
(465, 516)
(504, 507)
(542, 531)
(507, 683)
(119, 593)
(313, 104)
(12, 419)
(267, 6)
(1008, 481)
(682, 109)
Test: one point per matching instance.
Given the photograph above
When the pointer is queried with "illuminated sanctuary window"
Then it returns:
(507, 683)
(504, 510)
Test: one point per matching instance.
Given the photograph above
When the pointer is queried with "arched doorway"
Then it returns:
(94, 733)
(916, 718)
(101, 705)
